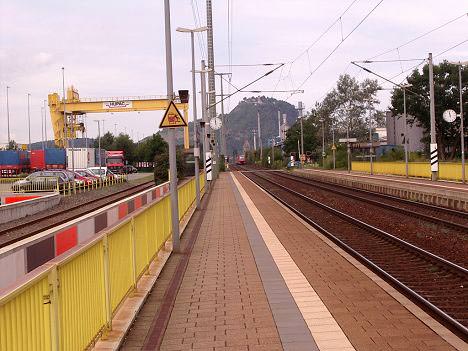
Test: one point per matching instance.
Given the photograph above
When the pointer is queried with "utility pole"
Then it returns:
(45, 123)
(99, 146)
(29, 123)
(65, 137)
(8, 115)
(348, 148)
(273, 152)
(196, 149)
(42, 126)
(211, 71)
(223, 131)
(172, 141)
(370, 143)
(300, 109)
(433, 148)
(205, 124)
(259, 136)
(254, 139)
(462, 128)
(211, 77)
(279, 124)
(333, 146)
(323, 142)
(406, 129)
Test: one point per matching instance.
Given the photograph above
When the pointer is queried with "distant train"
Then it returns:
(240, 160)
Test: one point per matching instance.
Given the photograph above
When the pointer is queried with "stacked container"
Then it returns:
(13, 162)
(47, 159)
(82, 157)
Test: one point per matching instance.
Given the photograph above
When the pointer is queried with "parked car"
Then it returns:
(129, 169)
(41, 181)
(105, 173)
(87, 173)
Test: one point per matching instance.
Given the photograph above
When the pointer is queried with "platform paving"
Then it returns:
(371, 318)
(257, 278)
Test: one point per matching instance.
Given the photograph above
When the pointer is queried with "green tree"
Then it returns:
(311, 135)
(349, 106)
(161, 166)
(12, 145)
(107, 141)
(123, 142)
(446, 95)
(147, 149)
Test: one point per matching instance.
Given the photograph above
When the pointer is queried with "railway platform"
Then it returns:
(254, 276)
(448, 194)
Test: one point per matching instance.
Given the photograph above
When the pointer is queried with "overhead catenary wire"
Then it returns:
(451, 48)
(337, 46)
(245, 86)
(390, 81)
(420, 36)
(197, 23)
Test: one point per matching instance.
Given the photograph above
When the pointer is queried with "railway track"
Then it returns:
(430, 280)
(439, 215)
(21, 231)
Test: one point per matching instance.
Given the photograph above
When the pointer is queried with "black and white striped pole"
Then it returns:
(433, 148)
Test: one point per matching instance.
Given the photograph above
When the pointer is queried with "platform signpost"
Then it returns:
(348, 142)
(172, 119)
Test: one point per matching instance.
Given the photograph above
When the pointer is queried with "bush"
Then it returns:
(161, 167)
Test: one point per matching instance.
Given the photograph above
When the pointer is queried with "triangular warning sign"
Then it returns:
(172, 117)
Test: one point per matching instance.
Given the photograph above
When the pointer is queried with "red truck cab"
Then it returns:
(115, 161)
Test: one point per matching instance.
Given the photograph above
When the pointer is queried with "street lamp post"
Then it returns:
(29, 123)
(196, 149)
(99, 146)
(8, 115)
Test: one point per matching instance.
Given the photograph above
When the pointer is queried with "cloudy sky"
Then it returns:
(116, 48)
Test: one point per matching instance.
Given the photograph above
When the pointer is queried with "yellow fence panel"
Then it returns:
(141, 242)
(70, 307)
(152, 230)
(25, 320)
(120, 263)
(447, 170)
(82, 298)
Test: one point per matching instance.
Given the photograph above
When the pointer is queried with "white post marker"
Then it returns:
(208, 161)
(434, 158)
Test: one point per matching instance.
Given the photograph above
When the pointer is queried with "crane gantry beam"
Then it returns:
(75, 106)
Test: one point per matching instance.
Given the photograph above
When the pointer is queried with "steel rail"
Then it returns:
(460, 328)
(35, 222)
(422, 204)
(406, 211)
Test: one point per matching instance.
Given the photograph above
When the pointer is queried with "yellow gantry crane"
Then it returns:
(74, 106)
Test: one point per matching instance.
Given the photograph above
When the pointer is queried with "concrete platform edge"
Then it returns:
(434, 325)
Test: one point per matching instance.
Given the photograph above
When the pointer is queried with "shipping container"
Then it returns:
(37, 160)
(55, 158)
(9, 157)
(47, 159)
(82, 157)
(13, 162)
